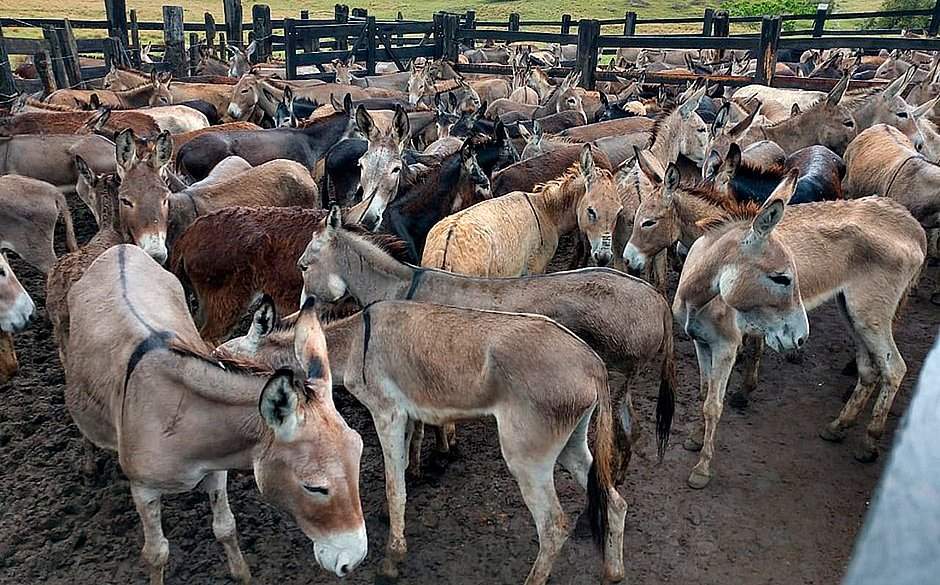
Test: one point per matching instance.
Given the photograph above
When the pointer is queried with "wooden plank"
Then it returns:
(44, 72)
(767, 50)
(232, 10)
(14, 46)
(588, 33)
(629, 24)
(502, 35)
(341, 16)
(69, 49)
(934, 25)
(290, 48)
(450, 24)
(677, 42)
(819, 22)
(371, 40)
(470, 24)
(135, 39)
(391, 52)
(210, 33)
(566, 24)
(707, 20)
(116, 13)
(514, 21)
(261, 20)
(7, 81)
(173, 38)
(306, 42)
(90, 45)
(406, 28)
(193, 53)
(874, 43)
(55, 55)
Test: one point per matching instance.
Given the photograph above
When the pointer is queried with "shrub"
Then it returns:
(907, 22)
(772, 8)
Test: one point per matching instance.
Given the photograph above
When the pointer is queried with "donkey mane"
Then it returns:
(132, 71)
(731, 209)
(388, 243)
(660, 122)
(562, 181)
(202, 351)
(52, 107)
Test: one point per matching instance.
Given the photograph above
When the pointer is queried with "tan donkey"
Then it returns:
(758, 275)
(134, 358)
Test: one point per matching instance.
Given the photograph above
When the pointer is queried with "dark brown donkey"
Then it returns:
(228, 258)
(622, 318)
(525, 175)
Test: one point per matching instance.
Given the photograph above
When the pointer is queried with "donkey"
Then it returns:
(883, 161)
(518, 234)
(609, 309)
(131, 367)
(16, 310)
(155, 92)
(888, 107)
(766, 275)
(49, 157)
(457, 183)
(382, 166)
(543, 408)
(102, 122)
(227, 274)
(526, 175)
(29, 211)
(218, 92)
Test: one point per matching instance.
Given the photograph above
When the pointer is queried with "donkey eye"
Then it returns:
(848, 123)
(3, 273)
(648, 223)
(126, 202)
(902, 114)
(396, 170)
(781, 279)
(318, 490)
(592, 214)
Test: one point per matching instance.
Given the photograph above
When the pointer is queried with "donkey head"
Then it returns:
(161, 95)
(656, 224)
(599, 209)
(381, 166)
(753, 272)
(693, 132)
(344, 69)
(888, 107)
(238, 62)
(245, 96)
(143, 196)
(284, 116)
(311, 467)
(16, 306)
(533, 140)
(320, 265)
(472, 174)
(420, 83)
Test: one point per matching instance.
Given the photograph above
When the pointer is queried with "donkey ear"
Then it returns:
(334, 221)
(337, 106)
(587, 161)
(894, 88)
(94, 101)
(651, 167)
(125, 150)
(364, 122)
(671, 181)
(732, 160)
(771, 212)
(264, 319)
(604, 101)
(288, 98)
(795, 110)
(925, 107)
(537, 129)
(163, 150)
(402, 125)
(347, 104)
(467, 151)
(691, 104)
(310, 344)
(712, 164)
(721, 119)
(85, 171)
(279, 405)
(524, 132)
(835, 96)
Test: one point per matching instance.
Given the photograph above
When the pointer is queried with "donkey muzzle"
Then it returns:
(19, 315)
(154, 244)
(343, 552)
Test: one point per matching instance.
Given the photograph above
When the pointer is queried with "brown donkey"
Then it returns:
(16, 310)
(155, 92)
(391, 360)
(616, 314)
(518, 234)
(759, 275)
(29, 211)
(130, 368)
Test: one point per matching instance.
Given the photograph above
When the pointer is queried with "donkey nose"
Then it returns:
(801, 341)
(603, 258)
(344, 570)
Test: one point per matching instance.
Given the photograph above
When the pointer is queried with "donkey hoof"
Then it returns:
(693, 443)
(613, 575)
(389, 569)
(699, 479)
(866, 454)
(832, 435)
(738, 400)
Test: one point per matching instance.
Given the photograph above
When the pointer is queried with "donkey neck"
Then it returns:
(137, 96)
(558, 204)
(691, 212)
(666, 144)
(371, 274)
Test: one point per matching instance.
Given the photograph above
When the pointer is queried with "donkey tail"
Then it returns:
(71, 244)
(601, 476)
(666, 401)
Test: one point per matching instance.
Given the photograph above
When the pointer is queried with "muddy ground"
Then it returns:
(784, 507)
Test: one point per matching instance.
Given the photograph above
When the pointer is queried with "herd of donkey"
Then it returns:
(421, 210)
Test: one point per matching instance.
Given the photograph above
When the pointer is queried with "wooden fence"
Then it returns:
(308, 44)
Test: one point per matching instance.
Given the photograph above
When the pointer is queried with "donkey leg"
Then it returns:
(416, 438)
(156, 549)
(536, 480)
(722, 361)
(223, 524)
(392, 429)
(753, 349)
(892, 368)
(8, 362)
(703, 354)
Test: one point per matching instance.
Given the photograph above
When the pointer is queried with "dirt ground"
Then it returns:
(784, 507)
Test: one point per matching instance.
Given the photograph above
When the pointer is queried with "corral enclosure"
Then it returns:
(784, 508)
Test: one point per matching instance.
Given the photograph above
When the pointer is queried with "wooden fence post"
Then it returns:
(69, 48)
(55, 56)
(588, 31)
(629, 24)
(193, 53)
(261, 21)
(359, 13)
(175, 41)
(134, 47)
(438, 20)
(44, 72)
(934, 27)
(471, 25)
(514, 21)
(767, 51)
(307, 42)
(7, 82)
(341, 16)
(819, 23)
(290, 48)
(721, 27)
(372, 37)
(707, 20)
(450, 24)
(210, 32)
(401, 37)
(233, 22)
(116, 11)
(566, 24)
